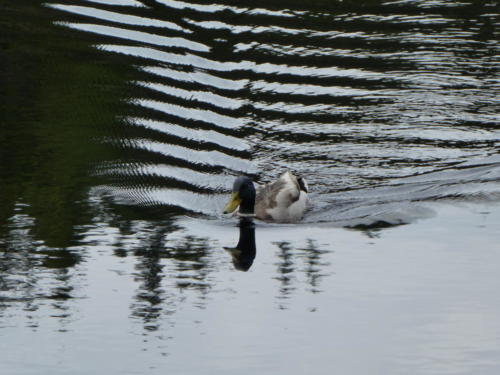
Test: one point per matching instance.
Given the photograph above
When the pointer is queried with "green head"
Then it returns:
(243, 195)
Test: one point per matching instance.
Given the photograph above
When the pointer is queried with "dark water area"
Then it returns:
(123, 124)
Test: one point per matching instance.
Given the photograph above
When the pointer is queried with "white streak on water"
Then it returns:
(207, 158)
(137, 36)
(192, 113)
(122, 3)
(214, 182)
(117, 17)
(192, 95)
(214, 8)
(264, 68)
(308, 89)
(196, 135)
(197, 76)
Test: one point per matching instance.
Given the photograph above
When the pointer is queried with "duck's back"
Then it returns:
(282, 201)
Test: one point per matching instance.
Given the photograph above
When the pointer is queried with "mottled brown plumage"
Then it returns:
(267, 197)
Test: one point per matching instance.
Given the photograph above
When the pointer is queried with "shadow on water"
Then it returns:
(118, 119)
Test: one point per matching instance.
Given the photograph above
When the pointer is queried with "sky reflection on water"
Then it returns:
(408, 299)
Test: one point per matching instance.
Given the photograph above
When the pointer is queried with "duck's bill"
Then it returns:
(233, 203)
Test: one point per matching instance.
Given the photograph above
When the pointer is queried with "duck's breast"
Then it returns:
(288, 210)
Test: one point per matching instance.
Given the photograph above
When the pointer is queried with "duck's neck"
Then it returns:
(247, 206)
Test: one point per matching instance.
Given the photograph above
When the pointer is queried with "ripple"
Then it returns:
(194, 135)
(192, 113)
(206, 204)
(173, 58)
(307, 89)
(214, 8)
(117, 17)
(192, 95)
(197, 76)
(196, 157)
(137, 36)
(201, 180)
(264, 68)
(121, 3)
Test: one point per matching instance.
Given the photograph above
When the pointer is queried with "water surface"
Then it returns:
(124, 123)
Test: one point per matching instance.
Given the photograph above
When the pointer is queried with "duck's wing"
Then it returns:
(289, 185)
(266, 199)
(283, 192)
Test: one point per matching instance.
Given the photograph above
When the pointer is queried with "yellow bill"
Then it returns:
(233, 203)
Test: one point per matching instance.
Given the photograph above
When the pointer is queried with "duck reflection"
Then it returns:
(244, 252)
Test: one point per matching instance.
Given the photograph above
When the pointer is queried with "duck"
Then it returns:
(281, 201)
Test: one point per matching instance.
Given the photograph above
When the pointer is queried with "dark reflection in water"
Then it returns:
(294, 262)
(31, 273)
(244, 253)
(314, 267)
(150, 300)
(286, 268)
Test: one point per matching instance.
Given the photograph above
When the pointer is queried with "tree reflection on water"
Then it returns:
(170, 269)
(291, 274)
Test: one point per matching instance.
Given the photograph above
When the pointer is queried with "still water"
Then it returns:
(123, 124)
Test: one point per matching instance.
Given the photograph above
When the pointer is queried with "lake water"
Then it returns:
(123, 124)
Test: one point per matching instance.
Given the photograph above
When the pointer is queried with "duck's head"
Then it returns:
(243, 196)
(303, 184)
